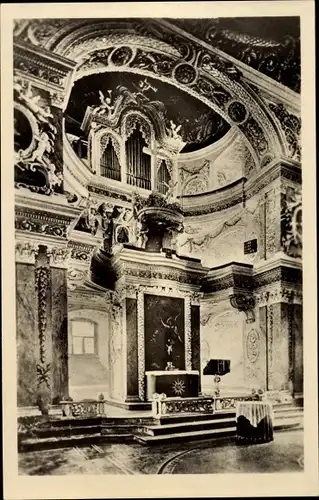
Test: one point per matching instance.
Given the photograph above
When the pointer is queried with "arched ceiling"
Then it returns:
(200, 125)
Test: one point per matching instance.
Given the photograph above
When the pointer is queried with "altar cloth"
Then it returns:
(254, 421)
(177, 383)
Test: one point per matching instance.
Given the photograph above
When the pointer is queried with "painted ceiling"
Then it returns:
(200, 125)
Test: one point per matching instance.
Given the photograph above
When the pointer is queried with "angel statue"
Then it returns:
(105, 106)
(45, 145)
(170, 195)
(142, 237)
(32, 101)
(173, 130)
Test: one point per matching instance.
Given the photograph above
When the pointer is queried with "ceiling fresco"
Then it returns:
(200, 125)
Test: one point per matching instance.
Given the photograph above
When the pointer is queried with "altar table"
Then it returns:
(254, 422)
(177, 383)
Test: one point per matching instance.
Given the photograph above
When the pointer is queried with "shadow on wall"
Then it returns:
(222, 338)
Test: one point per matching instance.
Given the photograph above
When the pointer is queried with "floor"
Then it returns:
(284, 454)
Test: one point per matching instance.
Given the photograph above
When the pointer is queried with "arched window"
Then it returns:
(83, 337)
(109, 163)
(163, 178)
(138, 162)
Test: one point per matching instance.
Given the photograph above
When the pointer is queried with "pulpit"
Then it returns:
(177, 383)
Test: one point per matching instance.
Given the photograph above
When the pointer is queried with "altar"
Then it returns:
(177, 383)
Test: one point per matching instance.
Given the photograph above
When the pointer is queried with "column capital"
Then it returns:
(25, 252)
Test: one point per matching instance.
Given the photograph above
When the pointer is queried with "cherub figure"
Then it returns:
(142, 237)
(105, 106)
(173, 130)
(44, 146)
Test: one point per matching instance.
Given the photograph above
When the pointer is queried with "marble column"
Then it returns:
(131, 349)
(26, 325)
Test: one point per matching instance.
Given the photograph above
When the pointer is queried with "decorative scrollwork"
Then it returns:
(43, 374)
(140, 345)
(291, 126)
(253, 346)
(244, 303)
(237, 112)
(121, 56)
(153, 61)
(42, 278)
(256, 135)
(291, 222)
(26, 252)
(185, 74)
(188, 333)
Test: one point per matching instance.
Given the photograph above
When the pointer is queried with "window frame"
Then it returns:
(72, 336)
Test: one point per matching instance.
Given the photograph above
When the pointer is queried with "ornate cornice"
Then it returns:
(48, 68)
(41, 222)
(46, 220)
(279, 273)
(233, 277)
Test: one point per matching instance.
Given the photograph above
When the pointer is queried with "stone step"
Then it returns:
(157, 430)
(280, 423)
(187, 436)
(194, 417)
(66, 442)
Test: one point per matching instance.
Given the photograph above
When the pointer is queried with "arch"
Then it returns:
(79, 40)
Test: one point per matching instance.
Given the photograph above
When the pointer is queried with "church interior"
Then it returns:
(158, 225)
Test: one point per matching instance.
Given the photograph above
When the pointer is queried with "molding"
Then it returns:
(280, 273)
(250, 75)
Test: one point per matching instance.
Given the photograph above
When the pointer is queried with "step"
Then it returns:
(157, 430)
(67, 431)
(194, 417)
(64, 442)
(202, 434)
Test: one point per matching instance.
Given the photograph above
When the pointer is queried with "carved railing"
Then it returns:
(87, 408)
(163, 406)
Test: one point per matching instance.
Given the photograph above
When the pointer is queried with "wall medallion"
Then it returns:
(121, 56)
(185, 74)
(237, 112)
(253, 346)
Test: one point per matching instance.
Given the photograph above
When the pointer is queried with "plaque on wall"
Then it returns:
(250, 246)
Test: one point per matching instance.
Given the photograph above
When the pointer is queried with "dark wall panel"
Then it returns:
(131, 342)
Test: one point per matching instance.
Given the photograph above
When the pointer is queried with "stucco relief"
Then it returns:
(116, 354)
(229, 166)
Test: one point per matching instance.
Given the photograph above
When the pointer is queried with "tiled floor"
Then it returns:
(284, 454)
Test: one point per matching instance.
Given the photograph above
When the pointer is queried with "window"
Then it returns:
(83, 337)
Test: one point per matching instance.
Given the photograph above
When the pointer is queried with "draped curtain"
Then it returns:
(163, 178)
(109, 163)
(138, 163)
